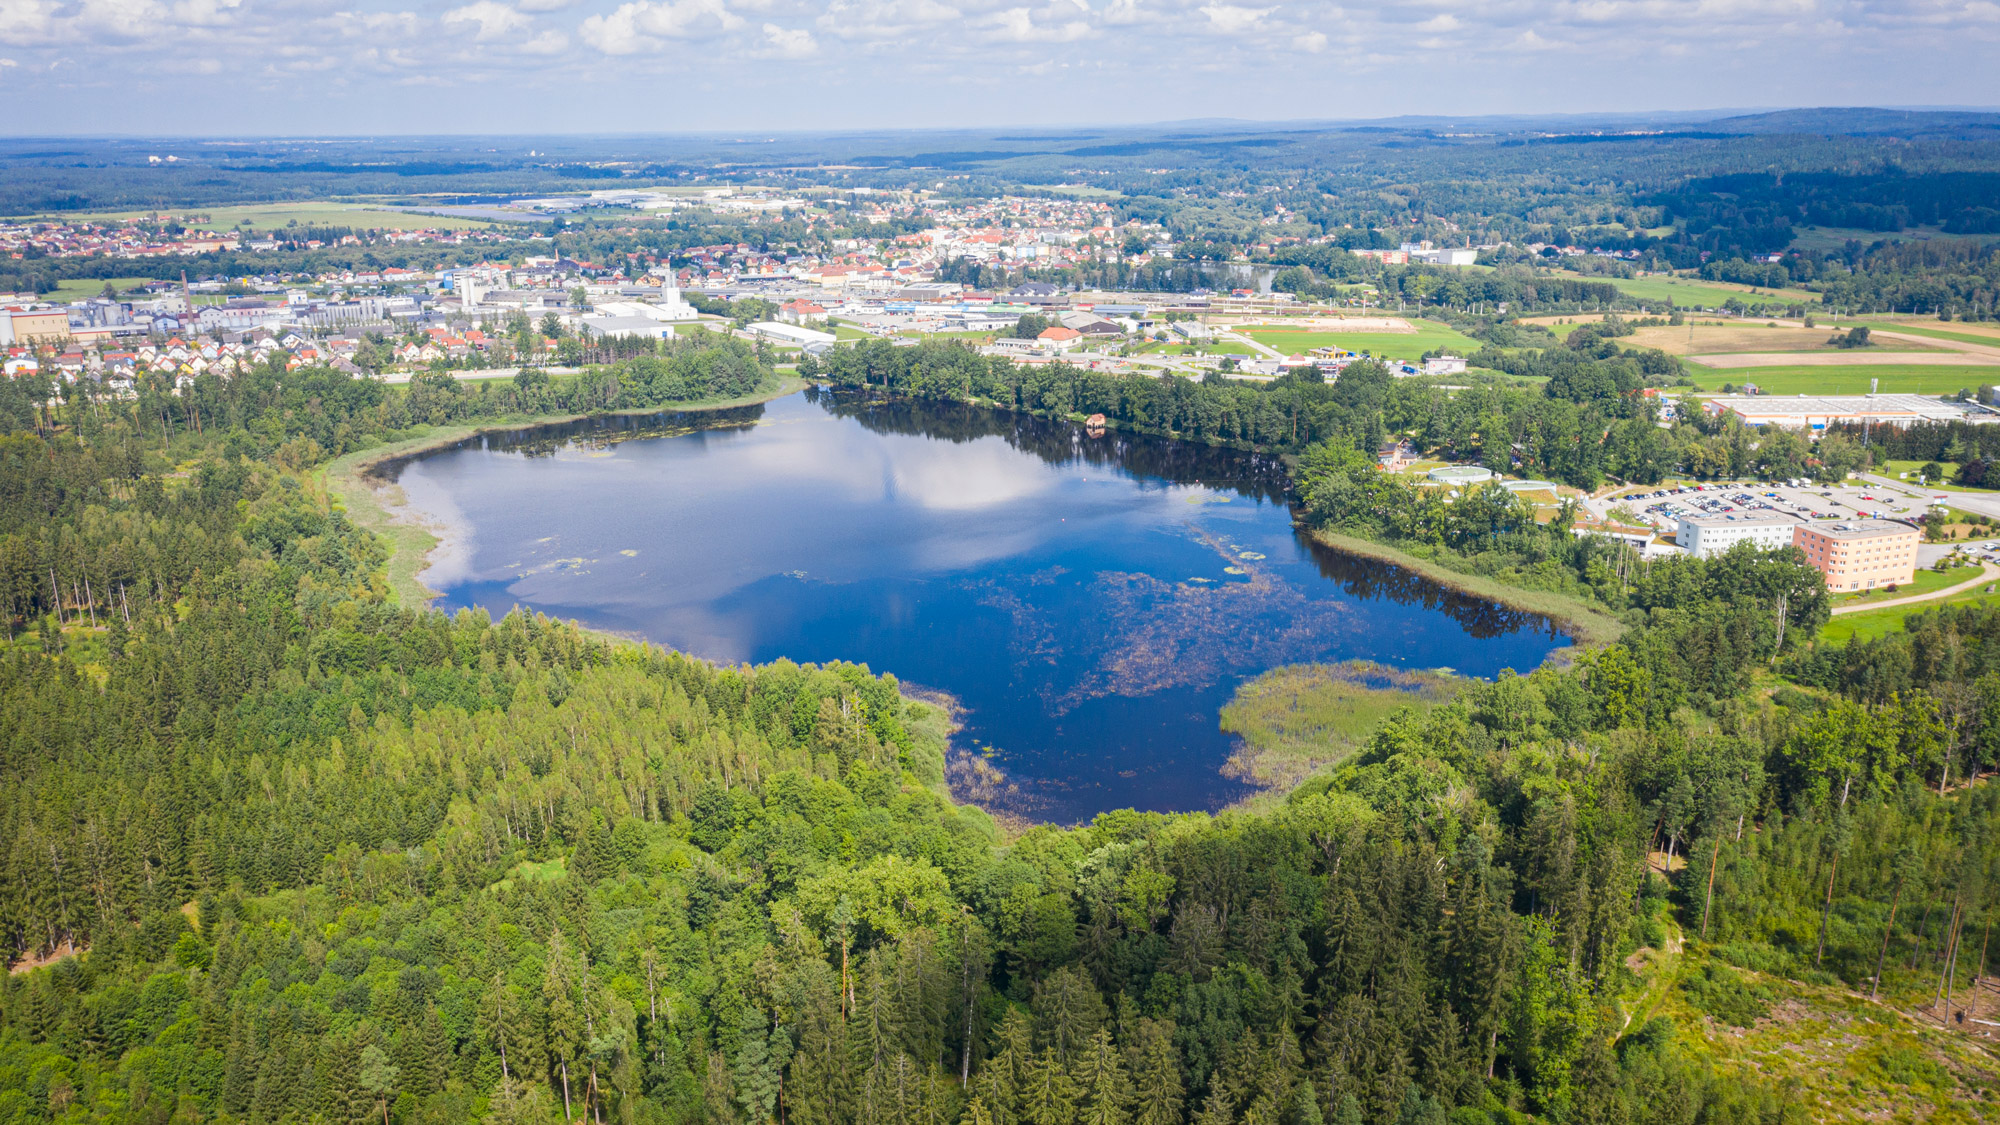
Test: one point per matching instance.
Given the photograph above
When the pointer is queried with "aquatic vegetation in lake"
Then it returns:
(1174, 635)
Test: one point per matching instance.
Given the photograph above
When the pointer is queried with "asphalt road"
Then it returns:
(1978, 503)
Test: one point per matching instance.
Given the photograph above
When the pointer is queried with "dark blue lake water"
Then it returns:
(1090, 601)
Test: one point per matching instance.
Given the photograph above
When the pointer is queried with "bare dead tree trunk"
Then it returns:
(1882, 956)
(1950, 958)
(1826, 911)
(1979, 970)
(1709, 899)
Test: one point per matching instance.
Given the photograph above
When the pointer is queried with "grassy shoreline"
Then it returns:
(1587, 625)
(410, 544)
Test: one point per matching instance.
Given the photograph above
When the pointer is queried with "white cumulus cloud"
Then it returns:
(642, 24)
(789, 42)
(491, 18)
(1233, 19)
(883, 21)
(1018, 25)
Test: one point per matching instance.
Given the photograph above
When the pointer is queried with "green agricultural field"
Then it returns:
(1688, 292)
(1894, 379)
(274, 216)
(77, 289)
(1991, 340)
(1401, 345)
(1821, 239)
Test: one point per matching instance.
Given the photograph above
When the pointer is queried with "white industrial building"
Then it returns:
(790, 334)
(1712, 535)
(669, 309)
(1814, 413)
(645, 326)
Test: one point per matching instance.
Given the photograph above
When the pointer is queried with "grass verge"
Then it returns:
(1927, 581)
(1586, 624)
(1881, 622)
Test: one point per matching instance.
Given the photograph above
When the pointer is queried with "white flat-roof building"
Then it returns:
(669, 310)
(1712, 535)
(628, 326)
(1814, 413)
(790, 333)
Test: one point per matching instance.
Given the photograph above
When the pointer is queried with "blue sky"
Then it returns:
(594, 66)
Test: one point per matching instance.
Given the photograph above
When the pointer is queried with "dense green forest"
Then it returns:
(1586, 421)
(276, 849)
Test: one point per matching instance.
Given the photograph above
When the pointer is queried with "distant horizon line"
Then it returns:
(1689, 115)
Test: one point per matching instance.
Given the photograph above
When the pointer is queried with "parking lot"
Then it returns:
(1663, 507)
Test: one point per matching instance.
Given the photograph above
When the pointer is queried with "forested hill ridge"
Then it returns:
(273, 848)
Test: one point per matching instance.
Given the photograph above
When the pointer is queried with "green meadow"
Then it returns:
(1831, 380)
(1688, 292)
(1400, 345)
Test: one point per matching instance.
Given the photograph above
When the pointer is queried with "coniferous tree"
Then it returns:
(1101, 1079)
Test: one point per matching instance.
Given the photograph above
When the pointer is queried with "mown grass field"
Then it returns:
(1967, 334)
(1400, 345)
(1882, 622)
(77, 289)
(1894, 378)
(1925, 582)
(1690, 293)
(1893, 468)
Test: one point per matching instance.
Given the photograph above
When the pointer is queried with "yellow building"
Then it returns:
(36, 327)
(1860, 554)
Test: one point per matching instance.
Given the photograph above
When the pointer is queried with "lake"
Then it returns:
(1091, 601)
